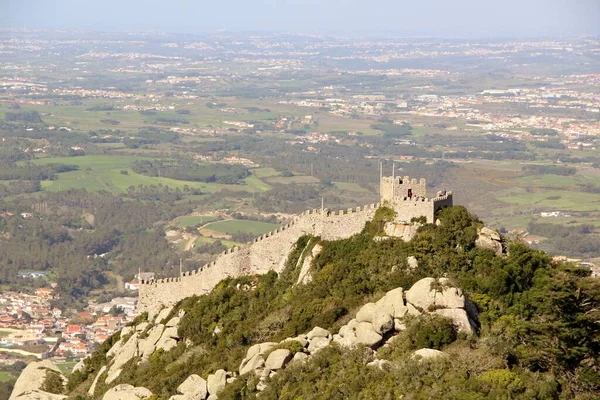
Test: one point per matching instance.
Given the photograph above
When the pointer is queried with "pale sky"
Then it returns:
(446, 18)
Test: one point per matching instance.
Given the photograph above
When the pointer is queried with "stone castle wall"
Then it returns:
(398, 187)
(269, 252)
(415, 207)
(265, 253)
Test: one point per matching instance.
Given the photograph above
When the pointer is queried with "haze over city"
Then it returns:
(286, 199)
(459, 18)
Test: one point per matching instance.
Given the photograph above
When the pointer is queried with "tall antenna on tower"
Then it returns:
(393, 179)
(380, 177)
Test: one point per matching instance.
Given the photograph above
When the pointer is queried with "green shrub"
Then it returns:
(431, 331)
(53, 383)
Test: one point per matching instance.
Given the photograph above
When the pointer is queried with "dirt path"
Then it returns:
(120, 284)
(190, 243)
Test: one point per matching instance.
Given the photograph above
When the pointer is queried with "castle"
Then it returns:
(408, 197)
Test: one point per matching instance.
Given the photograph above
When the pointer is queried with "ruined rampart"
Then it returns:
(408, 208)
(265, 253)
(269, 252)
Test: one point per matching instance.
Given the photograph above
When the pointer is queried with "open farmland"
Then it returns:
(241, 226)
(114, 174)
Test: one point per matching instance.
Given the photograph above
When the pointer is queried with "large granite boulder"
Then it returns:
(278, 359)
(393, 303)
(422, 294)
(449, 296)
(126, 331)
(366, 335)
(168, 339)
(164, 313)
(318, 332)
(366, 312)
(127, 392)
(260, 348)
(126, 353)
(255, 363)
(147, 346)
(427, 354)
(299, 357)
(115, 349)
(318, 343)
(29, 384)
(193, 388)
(460, 319)
(412, 262)
(382, 322)
(490, 240)
(216, 382)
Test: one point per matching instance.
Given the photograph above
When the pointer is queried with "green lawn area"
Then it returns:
(195, 220)
(256, 184)
(103, 172)
(242, 226)
(66, 367)
(4, 333)
(548, 180)
(556, 200)
(228, 243)
(300, 179)
(265, 172)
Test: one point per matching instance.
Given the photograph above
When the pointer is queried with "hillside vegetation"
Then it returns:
(539, 336)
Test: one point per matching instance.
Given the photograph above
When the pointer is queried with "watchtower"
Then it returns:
(408, 197)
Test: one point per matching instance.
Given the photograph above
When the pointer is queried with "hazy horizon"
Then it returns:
(458, 18)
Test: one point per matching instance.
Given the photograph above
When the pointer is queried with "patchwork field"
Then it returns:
(241, 226)
(195, 220)
(300, 179)
(114, 174)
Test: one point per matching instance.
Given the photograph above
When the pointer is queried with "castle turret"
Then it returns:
(408, 197)
(399, 187)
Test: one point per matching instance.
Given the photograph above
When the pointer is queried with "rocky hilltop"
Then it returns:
(455, 312)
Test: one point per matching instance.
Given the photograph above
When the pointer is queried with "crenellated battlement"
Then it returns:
(269, 251)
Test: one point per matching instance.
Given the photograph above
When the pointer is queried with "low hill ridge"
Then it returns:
(482, 318)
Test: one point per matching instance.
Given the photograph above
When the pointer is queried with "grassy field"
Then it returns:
(66, 367)
(256, 184)
(300, 179)
(241, 226)
(100, 172)
(556, 200)
(228, 243)
(265, 172)
(195, 220)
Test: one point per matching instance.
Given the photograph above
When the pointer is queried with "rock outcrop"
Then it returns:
(31, 381)
(305, 277)
(403, 231)
(278, 359)
(375, 324)
(489, 239)
(427, 354)
(216, 382)
(127, 392)
(193, 388)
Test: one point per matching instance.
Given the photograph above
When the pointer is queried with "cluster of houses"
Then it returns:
(30, 321)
